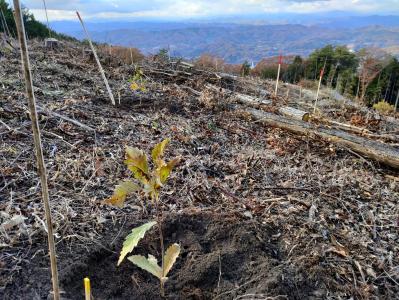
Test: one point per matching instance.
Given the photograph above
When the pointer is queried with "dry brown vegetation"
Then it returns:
(256, 209)
(125, 54)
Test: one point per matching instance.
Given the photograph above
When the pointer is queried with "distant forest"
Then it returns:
(370, 75)
(34, 28)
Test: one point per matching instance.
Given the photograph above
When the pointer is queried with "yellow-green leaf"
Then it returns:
(157, 152)
(170, 258)
(133, 239)
(151, 189)
(121, 191)
(165, 170)
(148, 264)
(136, 161)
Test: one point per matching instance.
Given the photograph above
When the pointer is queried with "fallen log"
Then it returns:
(374, 150)
(241, 98)
(294, 113)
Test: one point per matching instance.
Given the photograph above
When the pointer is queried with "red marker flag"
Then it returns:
(280, 59)
(321, 73)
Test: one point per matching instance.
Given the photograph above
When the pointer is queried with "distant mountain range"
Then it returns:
(251, 38)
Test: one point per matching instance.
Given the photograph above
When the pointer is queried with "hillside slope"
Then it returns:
(256, 209)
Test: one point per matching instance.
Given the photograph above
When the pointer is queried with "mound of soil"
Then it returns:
(221, 258)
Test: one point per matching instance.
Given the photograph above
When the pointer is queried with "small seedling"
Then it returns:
(137, 82)
(150, 182)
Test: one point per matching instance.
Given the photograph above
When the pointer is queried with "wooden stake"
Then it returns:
(277, 79)
(131, 55)
(300, 92)
(397, 100)
(87, 288)
(6, 29)
(318, 88)
(111, 96)
(48, 24)
(41, 167)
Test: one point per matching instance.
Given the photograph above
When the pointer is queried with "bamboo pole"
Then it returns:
(300, 91)
(277, 79)
(6, 29)
(318, 88)
(111, 96)
(41, 167)
(87, 288)
(48, 23)
(131, 56)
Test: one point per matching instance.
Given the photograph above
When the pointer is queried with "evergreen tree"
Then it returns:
(295, 71)
(33, 28)
(245, 68)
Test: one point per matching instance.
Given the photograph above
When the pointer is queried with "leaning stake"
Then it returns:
(97, 60)
(41, 168)
(280, 61)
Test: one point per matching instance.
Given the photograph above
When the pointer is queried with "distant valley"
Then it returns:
(237, 42)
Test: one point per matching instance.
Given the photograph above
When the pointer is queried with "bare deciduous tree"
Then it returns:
(371, 63)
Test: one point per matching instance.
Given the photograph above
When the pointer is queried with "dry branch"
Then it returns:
(65, 118)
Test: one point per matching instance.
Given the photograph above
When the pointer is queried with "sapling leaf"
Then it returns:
(151, 188)
(165, 170)
(149, 264)
(134, 86)
(170, 258)
(121, 191)
(136, 161)
(133, 239)
(157, 152)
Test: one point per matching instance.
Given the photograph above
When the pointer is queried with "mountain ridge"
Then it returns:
(234, 42)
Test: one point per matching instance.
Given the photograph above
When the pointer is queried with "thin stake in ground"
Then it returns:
(319, 86)
(48, 23)
(111, 96)
(41, 167)
(280, 60)
(4, 20)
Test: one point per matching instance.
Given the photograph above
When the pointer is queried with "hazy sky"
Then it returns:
(178, 9)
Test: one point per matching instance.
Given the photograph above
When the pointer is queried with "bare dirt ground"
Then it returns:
(260, 213)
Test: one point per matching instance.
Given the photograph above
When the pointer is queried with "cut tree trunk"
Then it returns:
(377, 151)
(241, 98)
(294, 113)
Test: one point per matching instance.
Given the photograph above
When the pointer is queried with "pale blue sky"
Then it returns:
(180, 9)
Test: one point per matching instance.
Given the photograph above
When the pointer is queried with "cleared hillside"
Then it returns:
(257, 209)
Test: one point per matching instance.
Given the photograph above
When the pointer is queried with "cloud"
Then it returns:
(183, 9)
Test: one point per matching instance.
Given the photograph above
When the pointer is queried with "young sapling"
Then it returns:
(149, 182)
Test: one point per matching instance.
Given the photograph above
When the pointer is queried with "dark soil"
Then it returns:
(222, 257)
